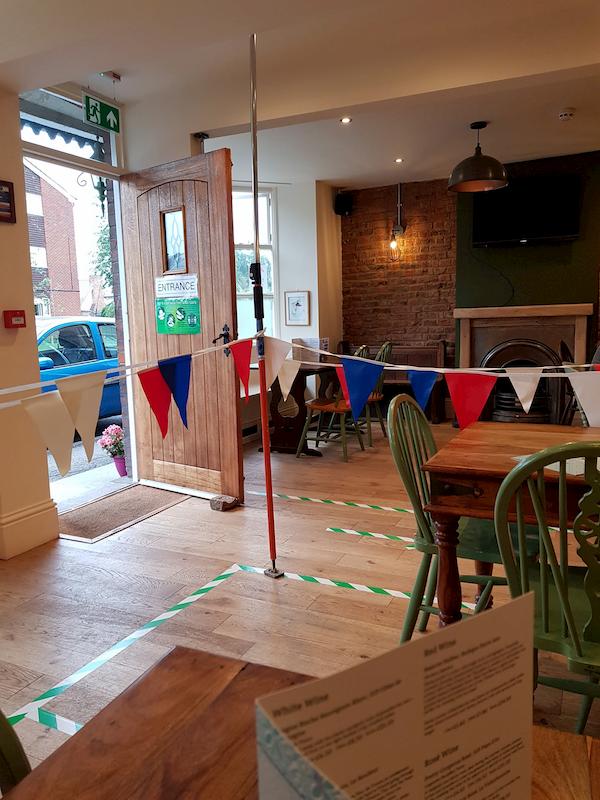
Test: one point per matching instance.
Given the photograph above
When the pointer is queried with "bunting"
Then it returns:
(176, 374)
(287, 375)
(276, 352)
(361, 378)
(158, 395)
(50, 416)
(586, 386)
(241, 352)
(81, 395)
(422, 383)
(469, 392)
(525, 382)
(339, 368)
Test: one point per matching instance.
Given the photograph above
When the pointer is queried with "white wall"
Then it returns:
(27, 514)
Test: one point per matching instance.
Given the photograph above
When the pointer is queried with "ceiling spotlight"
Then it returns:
(398, 160)
(346, 120)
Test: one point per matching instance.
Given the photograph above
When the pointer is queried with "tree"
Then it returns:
(102, 259)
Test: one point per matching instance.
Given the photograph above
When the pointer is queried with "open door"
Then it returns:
(177, 224)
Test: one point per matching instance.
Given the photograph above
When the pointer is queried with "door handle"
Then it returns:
(225, 335)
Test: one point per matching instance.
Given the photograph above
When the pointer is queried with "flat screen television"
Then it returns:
(530, 210)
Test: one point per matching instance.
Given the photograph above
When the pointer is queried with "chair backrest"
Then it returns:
(412, 444)
(383, 354)
(14, 765)
(362, 351)
(523, 494)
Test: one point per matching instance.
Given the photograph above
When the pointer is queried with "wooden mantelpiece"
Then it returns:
(549, 323)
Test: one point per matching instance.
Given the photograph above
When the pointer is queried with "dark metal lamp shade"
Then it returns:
(478, 173)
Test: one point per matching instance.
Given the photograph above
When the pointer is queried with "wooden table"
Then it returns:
(287, 430)
(185, 730)
(465, 477)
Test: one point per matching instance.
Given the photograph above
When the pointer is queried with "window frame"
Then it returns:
(270, 193)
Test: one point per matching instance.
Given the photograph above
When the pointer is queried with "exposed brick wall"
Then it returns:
(32, 182)
(59, 230)
(410, 300)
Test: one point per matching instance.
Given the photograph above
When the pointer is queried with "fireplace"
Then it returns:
(524, 336)
(549, 401)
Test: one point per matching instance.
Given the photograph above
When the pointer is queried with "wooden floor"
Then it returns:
(64, 603)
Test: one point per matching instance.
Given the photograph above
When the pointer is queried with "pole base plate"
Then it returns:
(274, 573)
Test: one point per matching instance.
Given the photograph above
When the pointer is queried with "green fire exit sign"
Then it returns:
(101, 114)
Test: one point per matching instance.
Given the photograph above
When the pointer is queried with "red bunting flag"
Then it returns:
(469, 392)
(242, 352)
(339, 368)
(158, 395)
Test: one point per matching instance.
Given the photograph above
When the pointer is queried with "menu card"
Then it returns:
(444, 717)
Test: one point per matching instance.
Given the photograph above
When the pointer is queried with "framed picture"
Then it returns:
(297, 308)
(173, 237)
(7, 202)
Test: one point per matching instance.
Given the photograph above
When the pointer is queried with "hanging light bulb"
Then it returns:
(398, 228)
(478, 173)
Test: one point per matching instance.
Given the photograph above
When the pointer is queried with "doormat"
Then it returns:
(108, 515)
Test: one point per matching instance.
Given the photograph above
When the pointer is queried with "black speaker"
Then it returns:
(343, 204)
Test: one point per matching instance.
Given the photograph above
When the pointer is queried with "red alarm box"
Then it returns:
(14, 319)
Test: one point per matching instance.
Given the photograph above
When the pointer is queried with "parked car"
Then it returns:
(76, 345)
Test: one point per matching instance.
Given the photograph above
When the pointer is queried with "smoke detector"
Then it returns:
(566, 114)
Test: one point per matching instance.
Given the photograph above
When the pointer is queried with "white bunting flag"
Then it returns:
(287, 375)
(525, 382)
(276, 352)
(50, 416)
(81, 395)
(587, 389)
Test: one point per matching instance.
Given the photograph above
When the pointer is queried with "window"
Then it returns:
(34, 204)
(108, 334)
(72, 344)
(42, 306)
(38, 258)
(243, 236)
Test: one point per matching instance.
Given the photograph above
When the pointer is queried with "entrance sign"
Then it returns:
(177, 304)
(103, 115)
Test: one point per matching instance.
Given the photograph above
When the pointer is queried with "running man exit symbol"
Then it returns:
(101, 114)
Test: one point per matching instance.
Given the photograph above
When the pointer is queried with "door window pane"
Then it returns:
(72, 344)
(108, 334)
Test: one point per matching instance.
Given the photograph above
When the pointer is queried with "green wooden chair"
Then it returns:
(14, 765)
(376, 396)
(341, 421)
(567, 597)
(412, 444)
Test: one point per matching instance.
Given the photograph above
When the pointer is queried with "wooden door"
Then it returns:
(208, 455)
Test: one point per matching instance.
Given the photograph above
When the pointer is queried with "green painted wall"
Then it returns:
(566, 272)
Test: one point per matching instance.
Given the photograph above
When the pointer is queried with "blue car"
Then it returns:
(77, 345)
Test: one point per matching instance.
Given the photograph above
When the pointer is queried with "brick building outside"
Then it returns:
(51, 245)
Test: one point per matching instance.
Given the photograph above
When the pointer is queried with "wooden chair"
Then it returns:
(340, 424)
(376, 396)
(412, 444)
(14, 765)
(567, 595)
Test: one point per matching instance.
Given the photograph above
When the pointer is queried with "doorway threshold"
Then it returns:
(77, 490)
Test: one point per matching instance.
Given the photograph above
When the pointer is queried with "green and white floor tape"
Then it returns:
(35, 711)
(30, 709)
(372, 534)
(349, 503)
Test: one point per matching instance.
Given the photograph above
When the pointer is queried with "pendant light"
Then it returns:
(398, 228)
(478, 173)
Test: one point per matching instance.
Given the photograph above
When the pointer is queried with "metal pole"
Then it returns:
(259, 314)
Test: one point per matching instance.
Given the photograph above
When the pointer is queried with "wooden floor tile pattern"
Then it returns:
(65, 602)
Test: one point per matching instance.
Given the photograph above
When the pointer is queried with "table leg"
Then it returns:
(449, 593)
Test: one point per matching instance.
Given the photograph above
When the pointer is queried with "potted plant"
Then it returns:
(112, 440)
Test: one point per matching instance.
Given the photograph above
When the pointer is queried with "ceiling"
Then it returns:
(430, 132)
(412, 75)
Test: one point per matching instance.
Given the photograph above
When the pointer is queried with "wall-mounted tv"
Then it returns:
(530, 210)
